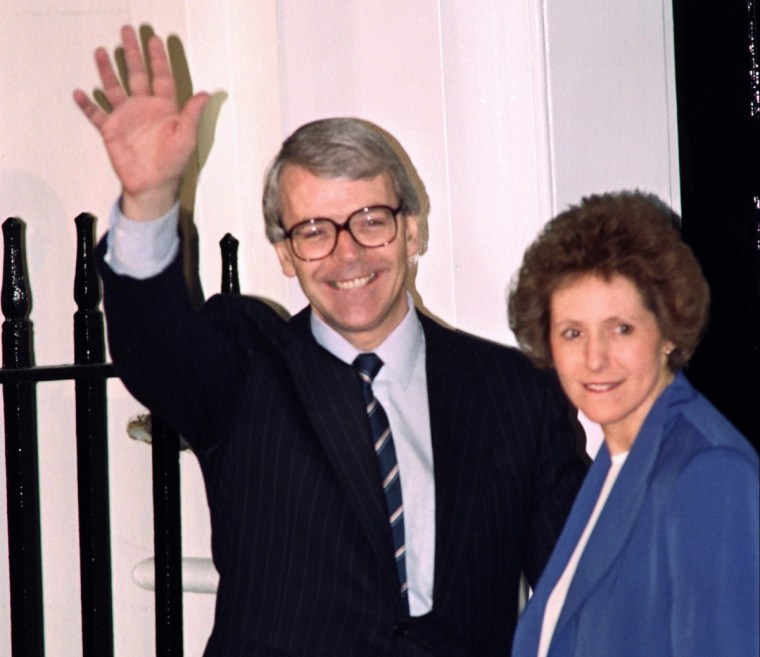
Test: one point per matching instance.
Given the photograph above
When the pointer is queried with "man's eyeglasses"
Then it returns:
(371, 228)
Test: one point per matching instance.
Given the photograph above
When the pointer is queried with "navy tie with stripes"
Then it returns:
(367, 366)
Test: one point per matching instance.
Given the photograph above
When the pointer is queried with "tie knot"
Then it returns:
(368, 365)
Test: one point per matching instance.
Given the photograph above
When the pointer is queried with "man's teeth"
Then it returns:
(353, 283)
(600, 387)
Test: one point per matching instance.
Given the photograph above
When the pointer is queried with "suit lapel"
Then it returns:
(528, 631)
(620, 513)
(329, 390)
(450, 373)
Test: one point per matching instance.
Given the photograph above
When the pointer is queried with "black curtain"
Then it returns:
(718, 96)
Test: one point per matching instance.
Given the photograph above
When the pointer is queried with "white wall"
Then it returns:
(504, 125)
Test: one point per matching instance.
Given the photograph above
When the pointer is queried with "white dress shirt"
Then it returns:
(401, 387)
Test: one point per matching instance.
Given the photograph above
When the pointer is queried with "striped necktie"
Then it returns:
(367, 367)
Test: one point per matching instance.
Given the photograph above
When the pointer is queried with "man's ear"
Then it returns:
(285, 258)
(412, 235)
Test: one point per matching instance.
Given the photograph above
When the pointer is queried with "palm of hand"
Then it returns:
(144, 143)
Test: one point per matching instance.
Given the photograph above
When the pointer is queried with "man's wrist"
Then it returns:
(141, 249)
(148, 205)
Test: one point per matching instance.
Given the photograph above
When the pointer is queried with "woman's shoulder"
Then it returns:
(700, 427)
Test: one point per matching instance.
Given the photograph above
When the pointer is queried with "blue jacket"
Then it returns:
(671, 568)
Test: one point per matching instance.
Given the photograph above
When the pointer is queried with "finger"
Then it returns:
(111, 84)
(96, 115)
(137, 75)
(164, 84)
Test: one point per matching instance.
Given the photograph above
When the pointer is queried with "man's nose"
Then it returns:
(346, 247)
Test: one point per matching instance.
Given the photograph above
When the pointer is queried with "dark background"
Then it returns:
(718, 96)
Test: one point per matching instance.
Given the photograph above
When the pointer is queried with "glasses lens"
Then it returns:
(373, 226)
(313, 239)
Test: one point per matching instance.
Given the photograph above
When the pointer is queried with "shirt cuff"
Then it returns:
(141, 249)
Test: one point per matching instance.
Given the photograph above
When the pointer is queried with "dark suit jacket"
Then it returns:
(300, 536)
(671, 567)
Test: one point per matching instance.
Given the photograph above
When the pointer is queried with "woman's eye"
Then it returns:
(570, 333)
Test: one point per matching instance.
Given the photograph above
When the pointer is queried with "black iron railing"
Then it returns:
(19, 377)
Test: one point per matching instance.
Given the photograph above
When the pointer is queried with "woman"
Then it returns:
(659, 555)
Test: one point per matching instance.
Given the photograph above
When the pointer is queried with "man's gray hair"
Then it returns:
(338, 148)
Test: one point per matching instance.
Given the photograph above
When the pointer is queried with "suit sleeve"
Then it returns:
(561, 465)
(170, 357)
(714, 557)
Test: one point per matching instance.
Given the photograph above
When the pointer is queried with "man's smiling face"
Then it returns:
(359, 292)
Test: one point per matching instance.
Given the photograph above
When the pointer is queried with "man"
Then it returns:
(322, 548)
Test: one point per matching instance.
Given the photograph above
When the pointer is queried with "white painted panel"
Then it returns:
(612, 100)
(496, 151)
(233, 54)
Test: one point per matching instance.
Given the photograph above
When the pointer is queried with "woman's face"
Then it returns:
(609, 353)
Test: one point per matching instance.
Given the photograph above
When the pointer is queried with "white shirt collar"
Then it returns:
(398, 351)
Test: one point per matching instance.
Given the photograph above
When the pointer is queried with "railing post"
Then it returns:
(229, 248)
(167, 525)
(167, 539)
(22, 477)
(92, 454)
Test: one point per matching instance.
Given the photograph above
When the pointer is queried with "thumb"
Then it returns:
(191, 113)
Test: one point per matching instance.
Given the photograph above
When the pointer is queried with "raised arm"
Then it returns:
(149, 139)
